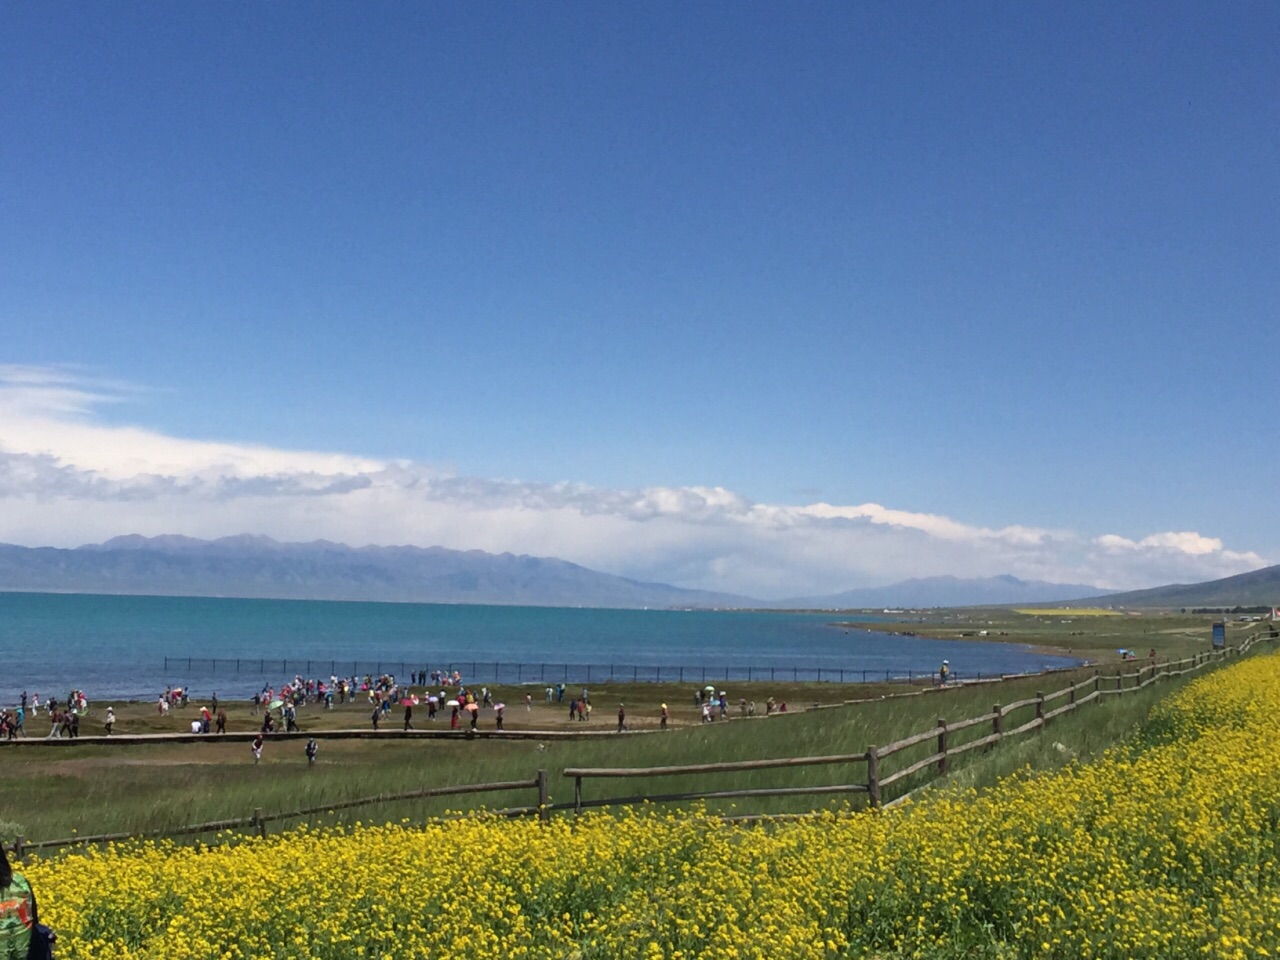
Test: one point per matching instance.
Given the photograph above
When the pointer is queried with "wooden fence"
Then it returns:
(257, 821)
(943, 736)
(873, 784)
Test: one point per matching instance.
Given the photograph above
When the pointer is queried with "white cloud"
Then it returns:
(48, 412)
(66, 478)
(1169, 557)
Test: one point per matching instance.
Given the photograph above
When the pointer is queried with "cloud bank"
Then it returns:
(67, 478)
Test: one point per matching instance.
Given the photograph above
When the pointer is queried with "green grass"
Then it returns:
(91, 790)
(1075, 634)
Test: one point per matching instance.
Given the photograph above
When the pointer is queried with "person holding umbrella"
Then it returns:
(498, 710)
(473, 708)
(408, 713)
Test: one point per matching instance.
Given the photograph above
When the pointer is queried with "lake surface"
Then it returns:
(127, 647)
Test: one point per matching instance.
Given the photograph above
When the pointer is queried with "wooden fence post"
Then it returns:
(997, 724)
(1097, 684)
(1040, 707)
(543, 812)
(942, 745)
(19, 846)
(577, 795)
(873, 777)
(1071, 697)
(259, 823)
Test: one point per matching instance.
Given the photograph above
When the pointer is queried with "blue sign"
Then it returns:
(1219, 636)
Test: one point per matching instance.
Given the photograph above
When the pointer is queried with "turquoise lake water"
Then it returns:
(112, 646)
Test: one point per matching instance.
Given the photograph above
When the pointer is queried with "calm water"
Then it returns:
(117, 646)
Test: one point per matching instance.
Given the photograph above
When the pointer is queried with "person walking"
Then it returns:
(622, 717)
(222, 721)
(257, 748)
(662, 723)
(408, 716)
(377, 713)
(498, 711)
(110, 720)
(312, 747)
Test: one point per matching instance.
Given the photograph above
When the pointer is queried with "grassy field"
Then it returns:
(1068, 612)
(108, 788)
(1080, 633)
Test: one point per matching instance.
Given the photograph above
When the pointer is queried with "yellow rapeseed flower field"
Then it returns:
(1165, 848)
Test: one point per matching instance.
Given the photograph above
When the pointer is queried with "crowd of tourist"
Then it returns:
(64, 716)
(438, 692)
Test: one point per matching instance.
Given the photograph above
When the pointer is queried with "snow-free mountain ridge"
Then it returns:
(945, 592)
(254, 566)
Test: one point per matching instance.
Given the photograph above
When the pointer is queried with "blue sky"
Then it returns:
(1014, 267)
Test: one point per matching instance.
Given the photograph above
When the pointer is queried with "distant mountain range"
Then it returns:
(1257, 588)
(259, 567)
(945, 592)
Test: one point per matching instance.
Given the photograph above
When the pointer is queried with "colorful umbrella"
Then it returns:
(452, 703)
(499, 706)
(433, 699)
(473, 707)
(275, 704)
(407, 701)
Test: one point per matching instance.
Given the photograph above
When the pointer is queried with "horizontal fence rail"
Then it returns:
(579, 774)
(498, 671)
(257, 821)
(876, 778)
